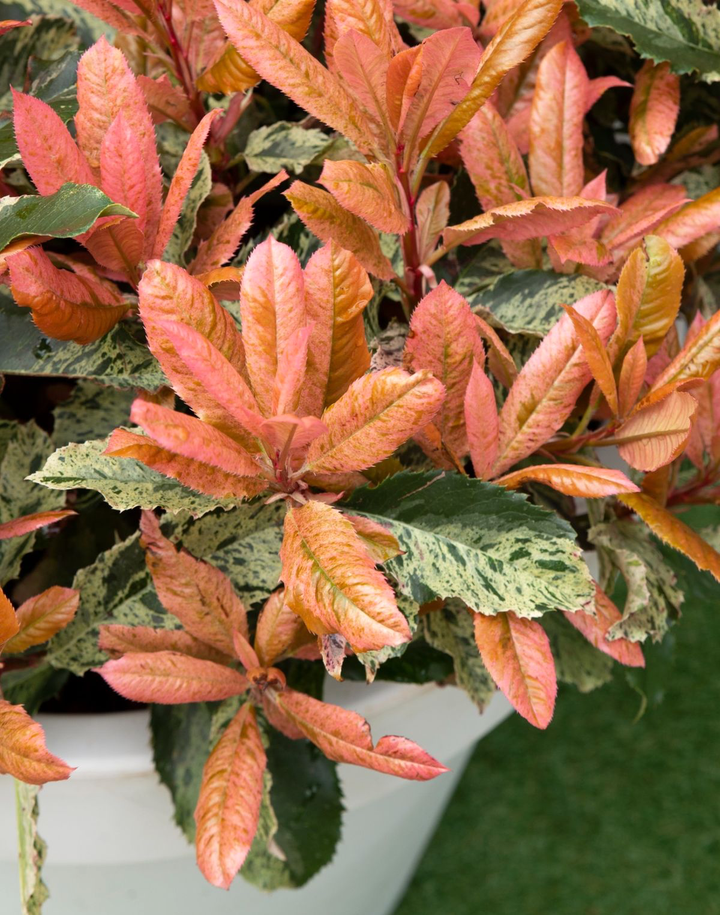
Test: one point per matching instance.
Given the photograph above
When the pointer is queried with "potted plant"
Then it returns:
(282, 456)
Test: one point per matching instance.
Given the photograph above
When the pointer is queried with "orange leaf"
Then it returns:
(198, 594)
(501, 363)
(9, 624)
(168, 293)
(632, 376)
(64, 305)
(699, 358)
(217, 250)
(639, 214)
(556, 123)
(524, 219)
(170, 678)
(496, 169)
(692, 221)
(285, 64)
(23, 753)
(368, 191)
(380, 543)
(48, 151)
(337, 289)
(403, 78)
(514, 41)
(193, 474)
(344, 736)
(272, 310)
(653, 111)
(181, 182)
(122, 171)
(228, 807)
(648, 294)
(118, 640)
(332, 583)
(596, 356)
(377, 414)
(674, 532)
(19, 526)
(517, 653)
(166, 101)
(363, 67)
(596, 628)
(572, 479)
(372, 19)
(40, 617)
(655, 435)
(444, 341)
(432, 212)
(280, 631)
(546, 390)
(481, 420)
(324, 216)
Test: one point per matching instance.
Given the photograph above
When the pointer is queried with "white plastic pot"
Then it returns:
(113, 848)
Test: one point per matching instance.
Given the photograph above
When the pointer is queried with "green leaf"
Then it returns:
(31, 686)
(475, 541)
(653, 597)
(92, 411)
(181, 744)
(684, 32)
(119, 358)
(117, 587)
(55, 85)
(31, 850)
(45, 41)
(307, 801)
(576, 661)
(284, 145)
(528, 301)
(450, 629)
(184, 229)
(264, 866)
(68, 212)
(89, 27)
(123, 482)
(23, 449)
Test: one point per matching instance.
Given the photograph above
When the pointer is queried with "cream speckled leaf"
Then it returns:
(475, 541)
(450, 629)
(284, 145)
(123, 483)
(685, 32)
(31, 850)
(23, 449)
(652, 595)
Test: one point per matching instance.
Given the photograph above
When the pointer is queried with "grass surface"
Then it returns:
(597, 815)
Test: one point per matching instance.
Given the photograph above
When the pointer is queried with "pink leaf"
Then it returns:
(481, 418)
(169, 678)
(572, 479)
(517, 653)
(272, 309)
(42, 616)
(122, 169)
(653, 111)
(444, 340)
(363, 67)
(632, 376)
(596, 88)
(20, 526)
(556, 123)
(547, 388)
(198, 594)
(181, 182)
(655, 435)
(117, 640)
(344, 736)
(47, 149)
(228, 807)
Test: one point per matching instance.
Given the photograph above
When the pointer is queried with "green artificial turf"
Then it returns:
(598, 815)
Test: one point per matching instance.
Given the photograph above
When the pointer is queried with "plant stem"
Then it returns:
(411, 252)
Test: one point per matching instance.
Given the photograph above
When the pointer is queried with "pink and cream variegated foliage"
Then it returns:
(114, 148)
(212, 658)
(283, 410)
